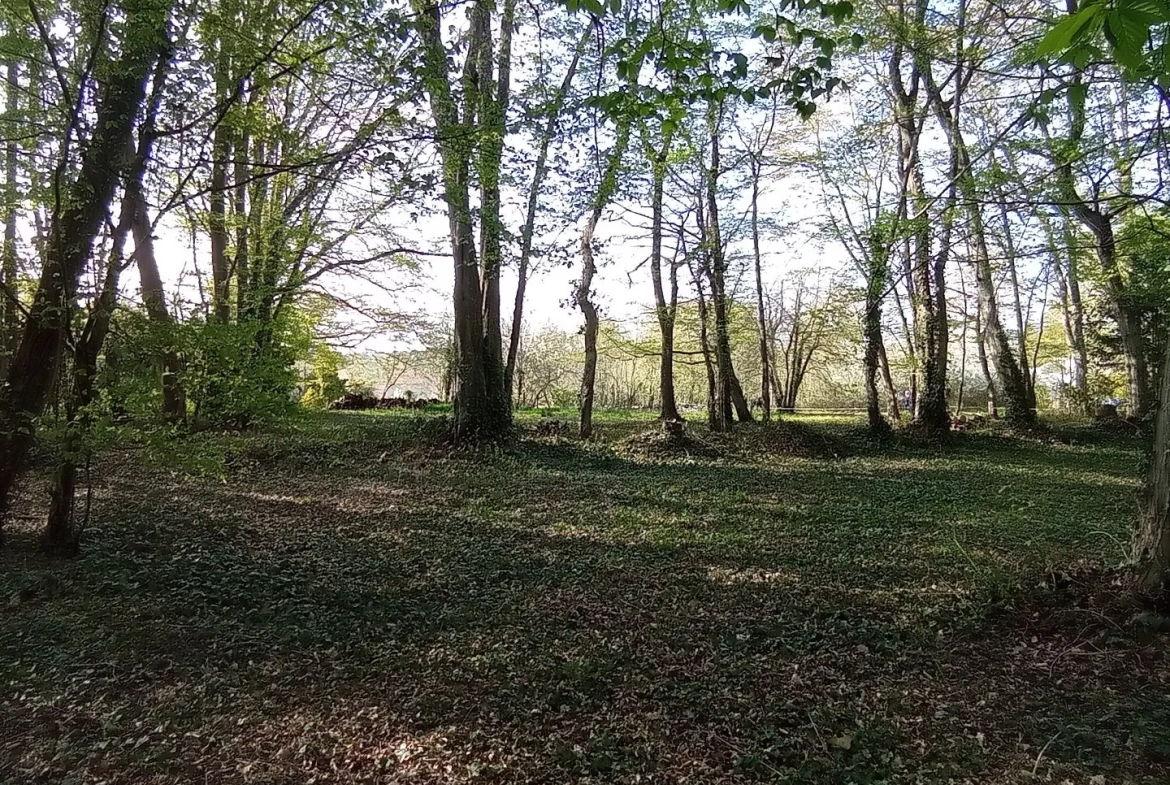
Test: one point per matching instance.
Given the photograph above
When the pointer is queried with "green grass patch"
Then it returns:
(344, 599)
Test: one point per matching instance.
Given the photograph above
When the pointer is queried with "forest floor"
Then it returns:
(343, 600)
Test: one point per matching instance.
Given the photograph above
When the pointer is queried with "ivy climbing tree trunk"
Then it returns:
(729, 393)
(927, 281)
(72, 232)
(482, 409)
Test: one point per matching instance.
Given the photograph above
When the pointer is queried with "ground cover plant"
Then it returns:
(344, 598)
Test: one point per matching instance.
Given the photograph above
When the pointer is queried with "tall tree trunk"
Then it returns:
(1126, 315)
(494, 100)
(589, 310)
(34, 367)
(217, 222)
(240, 219)
(583, 295)
(665, 310)
(1009, 376)
(482, 409)
(891, 392)
(1152, 538)
(877, 276)
(714, 412)
(962, 348)
(928, 292)
(984, 365)
(9, 265)
(62, 537)
(153, 298)
(526, 234)
(873, 350)
(761, 319)
(1100, 223)
(729, 394)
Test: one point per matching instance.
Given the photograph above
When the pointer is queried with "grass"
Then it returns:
(342, 600)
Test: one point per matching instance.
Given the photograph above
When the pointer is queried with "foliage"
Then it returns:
(322, 383)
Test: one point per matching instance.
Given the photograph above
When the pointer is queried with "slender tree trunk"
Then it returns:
(664, 310)
(153, 297)
(34, 367)
(873, 351)
(984, 365)
(526, 234)
(589, 372)
(584, 292)
(1127, 317)
(217, 220)
(1009, 377)
(729, 392)
(9, 265)
(714, 411)
(878, 274)
(62, 538)
(761, 320)
(962, 349)
(1017, 304)
(891, 392)
(1100, 223)
(240, 217)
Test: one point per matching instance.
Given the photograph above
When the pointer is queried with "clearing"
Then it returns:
(340, 600)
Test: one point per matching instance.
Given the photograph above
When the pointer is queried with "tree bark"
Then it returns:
(9, 263)
(891, 392)
(877, 278)
(928, 292)
(1019, 408)
(62, 538)
(34, 367)
(713, 411)
(729, 394)
(153, 298)
(761, 320)
(217, 226)
(583, 295)
(873, 350)
(482, 409)
(984, 365)
(665, 310)
(1152, 538)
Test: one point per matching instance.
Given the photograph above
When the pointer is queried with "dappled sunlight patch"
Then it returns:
(279, 498)
(730, 576)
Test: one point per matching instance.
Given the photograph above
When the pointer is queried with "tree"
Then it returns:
(473, 130)
(143, 41)
(583, 294)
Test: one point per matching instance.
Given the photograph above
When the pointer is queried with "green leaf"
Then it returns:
(767, 32)
(1061, 36)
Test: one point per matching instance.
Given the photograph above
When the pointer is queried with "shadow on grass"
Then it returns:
(560, 612)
